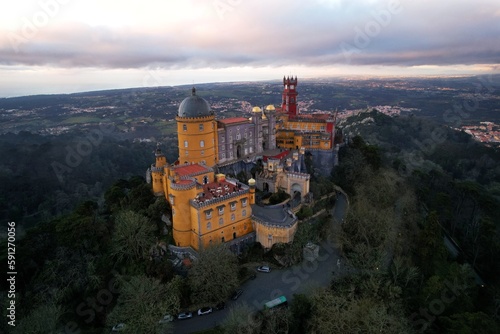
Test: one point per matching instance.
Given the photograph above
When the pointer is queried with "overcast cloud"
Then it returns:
(62, 39)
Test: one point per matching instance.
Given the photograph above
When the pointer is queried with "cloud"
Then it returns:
(258, 33)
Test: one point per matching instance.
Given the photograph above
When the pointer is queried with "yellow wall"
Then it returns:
(241, 225)
(188, 130)
(181, 217)
(284, 235)
(288, 134)
(157, 181)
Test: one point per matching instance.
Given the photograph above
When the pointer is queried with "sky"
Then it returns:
(64, 46)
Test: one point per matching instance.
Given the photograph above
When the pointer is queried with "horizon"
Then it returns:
(196, 84)
(64, 47)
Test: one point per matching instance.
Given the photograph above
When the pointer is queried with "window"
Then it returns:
(230, 154)
(221, 210)
(244, 212)
(223, 155)
(201, 127)
(251, 141)
(184, 127)
(244, 202)
(209, 225)
(221, 221)
(238, 136)
(202, 152)
(231, 138)
(171, 198)
(222, 139)
(202, 143)
(251, 149)
(187, 153)
(208, 214)
(233, 217)
(185, 143)
(233, 206)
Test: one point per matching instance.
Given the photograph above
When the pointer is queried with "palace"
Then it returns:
(209, 207)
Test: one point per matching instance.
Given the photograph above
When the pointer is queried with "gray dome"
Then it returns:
(194, 106)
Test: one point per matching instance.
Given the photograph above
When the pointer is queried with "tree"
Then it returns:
(132, 237)
(214, 275)
(301, 310)
(276, 321)
(143, 302)
(467, 322)
(43, 319)
(334, 313)
(242, 320)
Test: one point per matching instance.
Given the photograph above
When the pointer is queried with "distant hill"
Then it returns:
(140, 112)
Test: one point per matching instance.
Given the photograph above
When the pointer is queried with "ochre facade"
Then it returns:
(210, 208)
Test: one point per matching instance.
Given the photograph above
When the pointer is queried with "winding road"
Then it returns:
(301, 278)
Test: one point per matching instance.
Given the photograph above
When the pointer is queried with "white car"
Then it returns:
(118, 328)
(166, 318)
(184, 315)
(204, 310)
(264, 269)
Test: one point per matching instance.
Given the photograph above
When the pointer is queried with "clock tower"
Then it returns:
(289, 100)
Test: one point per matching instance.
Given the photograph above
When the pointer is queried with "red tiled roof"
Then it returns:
(277, 156)
(233, 120)
(218, 189)
(190, 169)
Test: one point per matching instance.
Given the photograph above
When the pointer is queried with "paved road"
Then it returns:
(301, 278)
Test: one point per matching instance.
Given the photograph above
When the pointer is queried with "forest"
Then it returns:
(94, 246)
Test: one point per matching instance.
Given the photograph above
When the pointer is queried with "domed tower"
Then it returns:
(196, 131)
(270, 116)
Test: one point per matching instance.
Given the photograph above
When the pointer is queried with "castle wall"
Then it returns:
(323, 160)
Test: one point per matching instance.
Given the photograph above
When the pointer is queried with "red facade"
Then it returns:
(289, 99)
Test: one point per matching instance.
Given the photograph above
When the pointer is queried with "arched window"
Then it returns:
(221, 221)
(209, 225)
(185, 143)
(202, 143)
(184, 127)
(201, 127)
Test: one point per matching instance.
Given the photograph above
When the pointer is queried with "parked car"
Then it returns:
(264, 269)
(204, 310)
(184, 315)
(118, 327)
(166, 318)
(236, 294)
(220, 306)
